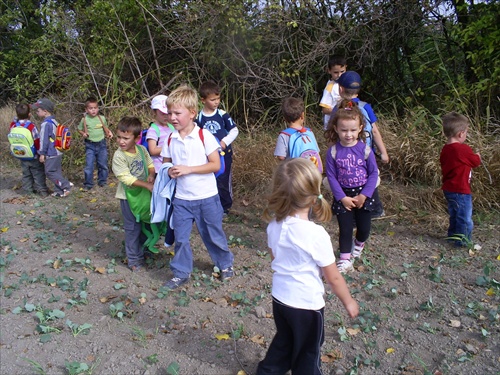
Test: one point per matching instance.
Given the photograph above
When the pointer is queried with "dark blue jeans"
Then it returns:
(460, 210)
(96, 153)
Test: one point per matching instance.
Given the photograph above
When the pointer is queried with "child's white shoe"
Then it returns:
(344, 265)
(357, 249)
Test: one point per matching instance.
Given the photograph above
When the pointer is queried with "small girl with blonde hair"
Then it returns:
(302, 253)
(351, 170)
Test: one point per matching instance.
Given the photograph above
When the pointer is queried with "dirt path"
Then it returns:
(69, 304)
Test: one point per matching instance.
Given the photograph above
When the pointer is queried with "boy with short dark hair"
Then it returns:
(94, 129)
(457, 159)
(131, 164)
(294, 114)
(337, 65)
(49, 155)
(33, 180)
(222, 126)
(195, 160)
(349, 88)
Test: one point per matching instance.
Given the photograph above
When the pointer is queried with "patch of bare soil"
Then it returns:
(69, 304)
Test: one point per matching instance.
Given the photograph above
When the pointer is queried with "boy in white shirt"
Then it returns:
(337, 65)
(196, 197)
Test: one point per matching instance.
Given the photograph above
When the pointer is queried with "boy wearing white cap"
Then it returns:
(159, 130)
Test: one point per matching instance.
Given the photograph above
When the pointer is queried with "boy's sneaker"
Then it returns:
(175, 282)
(344, 265)
(226, 273)
(64, 193)
(358, 249)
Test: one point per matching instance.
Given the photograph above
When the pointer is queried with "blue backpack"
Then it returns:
(143, 141)
(302, 144)
(368, 129)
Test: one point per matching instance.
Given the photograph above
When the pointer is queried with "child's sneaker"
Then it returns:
(358, 249)
(344, 265)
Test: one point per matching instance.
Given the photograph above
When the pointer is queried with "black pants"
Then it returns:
(225, 184)
(297, 343)
(346, 220)
(378, 208)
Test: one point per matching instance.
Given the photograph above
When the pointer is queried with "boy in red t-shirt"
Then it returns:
(457, 159)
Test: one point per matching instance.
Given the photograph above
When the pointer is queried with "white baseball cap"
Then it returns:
(160, 102)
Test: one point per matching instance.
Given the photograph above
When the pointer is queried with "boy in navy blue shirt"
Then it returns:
(221, 125)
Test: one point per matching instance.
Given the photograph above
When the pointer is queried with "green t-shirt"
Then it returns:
(95, 127)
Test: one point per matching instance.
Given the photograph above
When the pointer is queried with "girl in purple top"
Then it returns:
(352, 173)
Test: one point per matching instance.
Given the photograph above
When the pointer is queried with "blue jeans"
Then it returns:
(460, 211)
(207, 214)
(96, 152)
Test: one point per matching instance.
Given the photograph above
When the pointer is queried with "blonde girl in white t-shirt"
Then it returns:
(302, 254)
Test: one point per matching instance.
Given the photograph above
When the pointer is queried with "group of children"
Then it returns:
(186, 145)
(302, 252)
(191, 142)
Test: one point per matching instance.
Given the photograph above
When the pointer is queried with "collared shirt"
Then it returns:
(191, 151)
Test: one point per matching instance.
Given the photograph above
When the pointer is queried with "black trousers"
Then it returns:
(225, 184)
(297, 343)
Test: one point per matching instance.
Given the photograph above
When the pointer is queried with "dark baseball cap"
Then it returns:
(45, 104)
(350, 80)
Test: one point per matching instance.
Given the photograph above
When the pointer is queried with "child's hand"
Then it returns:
(109, 134)
(223, 145)
(151, 179)
(179, 170)
(384, 158)
(149, 186)
(352, 307)
(85, 135)
(349, 203)
(359, 200)
(41, 159)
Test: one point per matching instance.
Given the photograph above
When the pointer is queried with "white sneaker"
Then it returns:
(357, 249)
(344, 265)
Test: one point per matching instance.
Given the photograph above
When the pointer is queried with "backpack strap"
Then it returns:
(138, 147)
(333, 151)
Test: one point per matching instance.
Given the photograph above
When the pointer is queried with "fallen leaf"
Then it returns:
(498, 257)
(93, 200)
(391, 233)
(245, 202)
(455, 323)
(23, 240)
(142, 300)
(4, 229)
(333, 356)
(112, 184)
(353, 331)
(490, 292)
(241, 372)
(390, 350)
(258, 339)
(100, 270)
(106, 299)
(90, 358)
(86, 215)
(222, 336)
(477, 247)
(57, 264)
(106, 240)
(471, 252)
